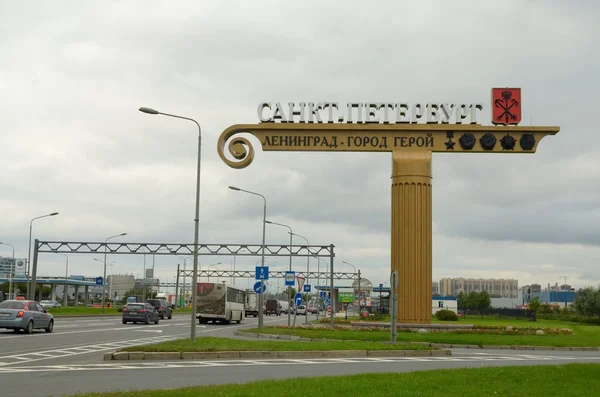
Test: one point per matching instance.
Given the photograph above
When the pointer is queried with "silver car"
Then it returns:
(25, 315)
(47, 304)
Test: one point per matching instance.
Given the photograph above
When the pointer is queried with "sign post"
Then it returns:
(394, 304)
(290, 276)
(411, 133)
(260, 287)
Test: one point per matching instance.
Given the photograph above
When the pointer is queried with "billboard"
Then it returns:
(346, 297)
(20, 267)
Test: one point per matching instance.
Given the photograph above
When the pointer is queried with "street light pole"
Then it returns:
(359, 302)
(307, 271)
(261, 295)
(208, 268)
(12, 271)
(289, 310)
(196, 217)
(319, 283)
(184, 278)
(31, 294)
(104, 279)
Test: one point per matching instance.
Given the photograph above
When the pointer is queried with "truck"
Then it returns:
(136, 299)
(272, 307)
(285, 306)
(251, 304)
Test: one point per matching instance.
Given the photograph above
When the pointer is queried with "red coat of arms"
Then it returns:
(506, 106)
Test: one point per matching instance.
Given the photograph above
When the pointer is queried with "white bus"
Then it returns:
(218, 302)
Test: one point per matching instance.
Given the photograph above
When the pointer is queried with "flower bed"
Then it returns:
(477, 329)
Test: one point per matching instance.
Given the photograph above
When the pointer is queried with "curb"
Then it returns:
(431, 344)
(135, 356)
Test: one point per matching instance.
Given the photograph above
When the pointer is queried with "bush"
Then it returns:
(119, 309)
(446, 315)
(375, 316)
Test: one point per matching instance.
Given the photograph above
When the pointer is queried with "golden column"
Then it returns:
(411, 234)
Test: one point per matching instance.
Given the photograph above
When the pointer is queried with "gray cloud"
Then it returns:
(73, 141)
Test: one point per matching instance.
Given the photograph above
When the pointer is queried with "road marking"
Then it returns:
(96, 348)
(138, 365)
(149, 330)
(65, 351)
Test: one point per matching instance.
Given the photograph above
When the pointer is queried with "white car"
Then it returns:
(301, 310)
(46, 304)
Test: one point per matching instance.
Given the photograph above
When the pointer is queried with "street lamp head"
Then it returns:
(148, 110)
(123, 234)
(54, 213)
(234, 188)
(269, 222)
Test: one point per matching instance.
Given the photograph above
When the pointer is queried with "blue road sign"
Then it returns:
(306, 287)
(257, 287)
(99, 280)
(298, 299)
(323, 294)
(262, 272)
(289, 278)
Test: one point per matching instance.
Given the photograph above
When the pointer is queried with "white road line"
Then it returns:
(101, 347)
(67, 352)
(200, 364)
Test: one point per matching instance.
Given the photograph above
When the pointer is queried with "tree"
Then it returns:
(460, 300)
(291, 292)
(484, 301)
(587, 302)
(534, 305)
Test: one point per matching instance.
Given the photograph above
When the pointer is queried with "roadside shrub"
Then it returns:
(446, 315)
(375, 316)
(119, 309)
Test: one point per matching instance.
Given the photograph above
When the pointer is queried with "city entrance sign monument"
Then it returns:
(411, 132)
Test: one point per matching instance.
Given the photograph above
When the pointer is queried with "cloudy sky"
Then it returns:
(73, 74)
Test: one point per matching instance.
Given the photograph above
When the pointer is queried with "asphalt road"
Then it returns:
(69, 360)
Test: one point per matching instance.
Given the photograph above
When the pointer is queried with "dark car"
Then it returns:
(140, 312)
(162, 307)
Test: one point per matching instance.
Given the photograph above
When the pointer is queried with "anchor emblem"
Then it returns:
(506, 105)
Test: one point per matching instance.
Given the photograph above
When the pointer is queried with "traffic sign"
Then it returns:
(307, 288)
(262, 272)
(99, 280)
(300, 282)
(257, 287)
(289, 278)
(323, 294)
(298, 299)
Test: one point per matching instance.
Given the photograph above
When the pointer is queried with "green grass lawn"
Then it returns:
(83, 310)
(212, 344)
(548, 381)
(584, 334)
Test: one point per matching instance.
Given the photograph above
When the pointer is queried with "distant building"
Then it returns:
(496, 288)
(444, 303)
(535, 288)
(151, 284)
(435, 288)
(7, 266)
(119, 284)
